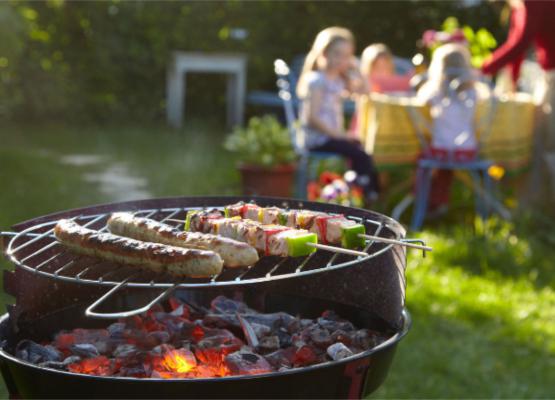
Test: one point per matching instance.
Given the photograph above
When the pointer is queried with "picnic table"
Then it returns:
(393, 128)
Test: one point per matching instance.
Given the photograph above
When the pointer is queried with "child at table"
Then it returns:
(330, 72)
(451, 91)
(378, 67)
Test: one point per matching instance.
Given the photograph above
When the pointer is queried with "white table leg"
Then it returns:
(175, 96)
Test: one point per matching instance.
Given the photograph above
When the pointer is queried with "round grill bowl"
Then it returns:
(354, 377)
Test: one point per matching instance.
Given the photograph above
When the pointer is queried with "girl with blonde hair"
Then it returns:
(330, 72)
(452, 91)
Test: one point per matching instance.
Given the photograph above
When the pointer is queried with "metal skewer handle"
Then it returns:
(402, 242)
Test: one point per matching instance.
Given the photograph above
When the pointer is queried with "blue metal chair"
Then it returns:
(307, 166)
(478, 170)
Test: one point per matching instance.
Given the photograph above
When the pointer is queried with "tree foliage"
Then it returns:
(107, 60)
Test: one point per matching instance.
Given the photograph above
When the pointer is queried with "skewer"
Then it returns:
(393, 241)
(338, 249)
(315, 245)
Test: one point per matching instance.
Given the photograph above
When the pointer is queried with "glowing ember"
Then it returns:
(181, 361)
(183, 342)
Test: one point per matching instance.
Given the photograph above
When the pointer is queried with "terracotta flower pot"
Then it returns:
(276, 181)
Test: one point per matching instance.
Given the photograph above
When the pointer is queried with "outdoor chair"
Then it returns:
(308, 160)
(478, 168)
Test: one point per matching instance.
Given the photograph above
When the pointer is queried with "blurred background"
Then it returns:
(83, 121)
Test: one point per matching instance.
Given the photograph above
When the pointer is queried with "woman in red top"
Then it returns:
(533, 22)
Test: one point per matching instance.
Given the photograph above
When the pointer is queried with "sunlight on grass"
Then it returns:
(511, 307)
(483, 304)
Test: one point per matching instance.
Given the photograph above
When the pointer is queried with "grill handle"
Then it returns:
(89, 312)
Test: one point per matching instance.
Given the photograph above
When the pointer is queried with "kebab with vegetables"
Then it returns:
(330, 228)
(268, 239)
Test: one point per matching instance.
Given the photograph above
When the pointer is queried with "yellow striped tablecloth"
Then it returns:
(392, 129)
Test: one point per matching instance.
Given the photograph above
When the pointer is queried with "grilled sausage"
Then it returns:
(157, 257)
(233, 252)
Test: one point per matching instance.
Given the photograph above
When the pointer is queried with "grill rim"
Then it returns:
(88, 214)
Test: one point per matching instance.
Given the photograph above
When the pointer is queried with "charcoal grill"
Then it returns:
(48, 279)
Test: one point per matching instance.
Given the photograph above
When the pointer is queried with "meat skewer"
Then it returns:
(234, 253)
(156, 257)
(331, 229)
(270, 239)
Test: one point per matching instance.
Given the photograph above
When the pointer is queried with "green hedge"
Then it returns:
(107, 60)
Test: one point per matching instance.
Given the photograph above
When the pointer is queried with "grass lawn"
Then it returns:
(483, 302)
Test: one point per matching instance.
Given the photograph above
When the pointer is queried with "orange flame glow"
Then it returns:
(179, 361)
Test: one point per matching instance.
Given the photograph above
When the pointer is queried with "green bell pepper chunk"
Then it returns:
(226, 212)
(350, 238)
(297, 245)
(188, 219)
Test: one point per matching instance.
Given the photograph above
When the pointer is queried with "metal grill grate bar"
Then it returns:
(250, 275)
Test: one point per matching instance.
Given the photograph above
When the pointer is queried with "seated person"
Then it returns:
(327, 75)
(378, 66)
(452, 93)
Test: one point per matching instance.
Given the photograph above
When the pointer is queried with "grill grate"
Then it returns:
(36, 250)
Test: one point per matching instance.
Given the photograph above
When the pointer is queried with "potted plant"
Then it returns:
(267, 157)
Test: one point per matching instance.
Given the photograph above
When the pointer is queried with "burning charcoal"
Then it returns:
(247, 363)
(84, 350)
(35, 353)
(305, 355)
(125, 351)
(282, 357)
(171, 323)
(305, 323)
(158, 337)
(219, 338)
(93, 366)
(342, 336)
(339, 351)
(192, 330)
(226, 321)
(116, 330)
(362, 339)
(284, 338)
(178, 360)
(65, 340)
(293, 325)
(61, 365)
(273, 320)
(224, 305)
(321, 338)
(136, 371)
(181, 311)
(268, 343)
(260, 330)
(333, 325)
